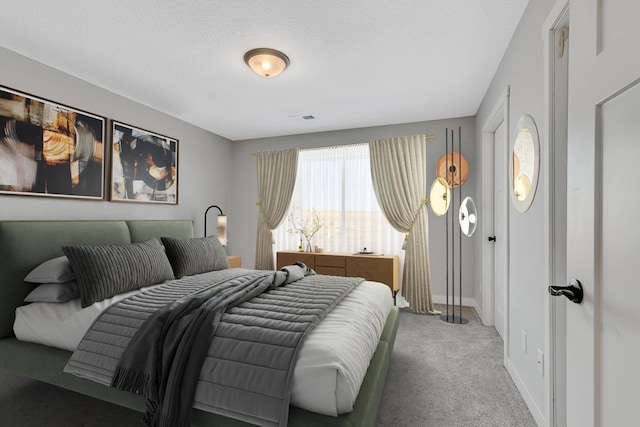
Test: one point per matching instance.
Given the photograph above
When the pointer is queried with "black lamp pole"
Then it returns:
(205, 217)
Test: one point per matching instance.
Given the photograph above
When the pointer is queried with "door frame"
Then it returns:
(553, 372)
(499, 115)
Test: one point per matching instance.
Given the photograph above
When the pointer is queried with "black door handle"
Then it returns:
(492, 238)
(573, 292)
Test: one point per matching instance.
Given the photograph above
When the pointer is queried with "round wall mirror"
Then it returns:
(468, 216)
(525, 163)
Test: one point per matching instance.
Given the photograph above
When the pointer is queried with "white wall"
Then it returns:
(204, 159)
(522, 70)
(243, 212)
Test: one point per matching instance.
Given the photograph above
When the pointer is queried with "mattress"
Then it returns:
(332, 361)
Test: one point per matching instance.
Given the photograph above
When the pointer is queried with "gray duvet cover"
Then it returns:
(243, 357)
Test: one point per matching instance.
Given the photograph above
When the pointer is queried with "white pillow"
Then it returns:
(54, 292)
(56, 270)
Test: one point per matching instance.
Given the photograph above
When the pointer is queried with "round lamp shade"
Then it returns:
(457, 166)
(468, 216)
(439, 197)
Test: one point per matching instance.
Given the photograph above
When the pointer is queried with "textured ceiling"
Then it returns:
(353, 63)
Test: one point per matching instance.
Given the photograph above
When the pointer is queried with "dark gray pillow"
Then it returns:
(195, 255)
(108, 270)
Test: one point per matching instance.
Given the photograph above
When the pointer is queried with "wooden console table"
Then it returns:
(376, 268)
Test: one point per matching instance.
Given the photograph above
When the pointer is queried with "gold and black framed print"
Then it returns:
(144, 166)
(50, 149)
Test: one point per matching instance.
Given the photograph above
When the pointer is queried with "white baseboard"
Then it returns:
(538, 416)
(442, 299)
(479, 311)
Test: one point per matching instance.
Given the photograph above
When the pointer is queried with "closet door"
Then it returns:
(603, 200)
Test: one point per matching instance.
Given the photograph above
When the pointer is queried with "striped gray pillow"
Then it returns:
(195, 255)
(107, 270)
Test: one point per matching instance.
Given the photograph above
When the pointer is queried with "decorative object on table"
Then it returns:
(468, 216)
(456, 176)
(525, 164)
(144, 166)
(307, 226)
(221, 225)
(48, 149)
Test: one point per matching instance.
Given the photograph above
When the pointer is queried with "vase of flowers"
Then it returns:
(308, 225)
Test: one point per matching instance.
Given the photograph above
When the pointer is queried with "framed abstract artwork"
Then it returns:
(49, 149)
(144, 166)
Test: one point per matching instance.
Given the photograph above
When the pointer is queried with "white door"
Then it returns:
(603, 201)
(557, 42)
(500, 226)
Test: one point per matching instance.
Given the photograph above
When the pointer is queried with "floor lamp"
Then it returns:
(221, 226)
(455, 171)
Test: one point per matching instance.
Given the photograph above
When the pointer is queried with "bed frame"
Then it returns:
(26, 244)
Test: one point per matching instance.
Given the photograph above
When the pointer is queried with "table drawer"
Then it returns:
(330, 261)
(289, 258)
(330, 271)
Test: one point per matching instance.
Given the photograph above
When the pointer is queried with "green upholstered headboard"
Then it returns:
(26, 244)
(140, 230)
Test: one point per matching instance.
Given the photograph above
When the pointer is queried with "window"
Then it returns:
(336, 184)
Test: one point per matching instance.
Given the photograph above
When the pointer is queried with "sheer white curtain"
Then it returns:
(335, 182)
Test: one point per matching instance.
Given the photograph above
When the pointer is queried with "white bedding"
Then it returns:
(332, 361)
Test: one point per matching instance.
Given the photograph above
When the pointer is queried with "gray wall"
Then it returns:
(522, 70)
(215, 171)
(204, 159)
(243, 212)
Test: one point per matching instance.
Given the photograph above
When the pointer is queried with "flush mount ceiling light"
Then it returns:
(266, 62)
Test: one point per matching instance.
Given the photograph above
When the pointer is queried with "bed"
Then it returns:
(25, 244)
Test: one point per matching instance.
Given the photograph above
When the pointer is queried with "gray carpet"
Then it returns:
(445, 374)
(440, 374)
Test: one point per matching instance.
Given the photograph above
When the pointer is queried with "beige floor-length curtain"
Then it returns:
(276, 179)
(398, 172)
